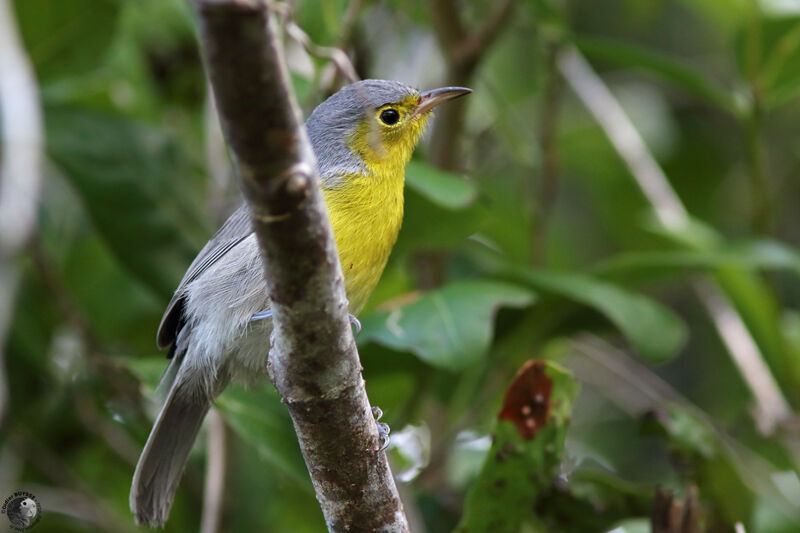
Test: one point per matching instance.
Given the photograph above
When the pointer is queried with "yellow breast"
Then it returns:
(366, 212)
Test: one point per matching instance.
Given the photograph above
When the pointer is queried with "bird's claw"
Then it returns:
(383, 429)
(354, 321)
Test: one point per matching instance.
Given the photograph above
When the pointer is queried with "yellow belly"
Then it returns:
(366, 213)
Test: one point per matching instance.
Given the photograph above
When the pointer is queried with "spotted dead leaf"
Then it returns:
(519, 468)
(527, 400)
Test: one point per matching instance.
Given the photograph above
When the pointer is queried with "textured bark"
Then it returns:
(313, 362)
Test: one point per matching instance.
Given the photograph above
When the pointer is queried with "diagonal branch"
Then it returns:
(771, 405)
(314, 363)
(625, 138)
(480, 41)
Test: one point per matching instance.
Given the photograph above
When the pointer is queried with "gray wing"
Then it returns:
(232, 232)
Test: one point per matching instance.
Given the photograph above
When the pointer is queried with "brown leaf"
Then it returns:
(527, 400)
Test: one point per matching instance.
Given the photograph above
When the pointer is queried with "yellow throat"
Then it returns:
(366, 210)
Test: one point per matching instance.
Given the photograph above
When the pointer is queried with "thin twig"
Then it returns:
(334, 54)
(314, 363)
(482, 39)
(463, 50)
(344, 41)
(20, 173)
(349, 23)
(215, 474)
(624, 136)
(548, 131)
(754, 126)
(111, 433)
(771, 407)
(446, 19)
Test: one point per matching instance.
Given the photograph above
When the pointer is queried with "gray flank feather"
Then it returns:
(237, 228)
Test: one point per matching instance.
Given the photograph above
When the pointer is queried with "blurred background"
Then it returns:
(620, 196)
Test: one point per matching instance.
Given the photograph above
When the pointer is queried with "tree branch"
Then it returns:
(314, 363)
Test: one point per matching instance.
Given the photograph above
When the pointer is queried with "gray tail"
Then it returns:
(163, 459)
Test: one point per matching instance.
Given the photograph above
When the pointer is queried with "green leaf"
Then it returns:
(95, 281)
(66, 38)
(452, 227)
(752, 297)
(148, 370)
(759, 307)
(450, 327)
(261, 420)
(720, 472)
(625, 54)
(594, 499)
(124, 184)
(781, 71)
(526, 452)
(766, 51)
(655, 331)
(440, 187)
(731, 475)
(761, 254)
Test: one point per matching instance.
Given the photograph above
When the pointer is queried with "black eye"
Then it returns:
(390, 116)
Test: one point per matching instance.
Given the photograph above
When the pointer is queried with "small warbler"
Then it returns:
(363, 137)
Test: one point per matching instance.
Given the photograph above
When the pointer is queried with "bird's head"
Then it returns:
(28, 507)
(371, 125)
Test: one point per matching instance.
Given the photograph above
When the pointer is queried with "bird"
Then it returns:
(216, 324)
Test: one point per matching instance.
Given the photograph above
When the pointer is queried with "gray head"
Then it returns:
(368, 121)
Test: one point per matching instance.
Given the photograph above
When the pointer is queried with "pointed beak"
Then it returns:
(430, 99)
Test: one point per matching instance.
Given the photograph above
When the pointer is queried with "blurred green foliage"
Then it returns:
(493, 265)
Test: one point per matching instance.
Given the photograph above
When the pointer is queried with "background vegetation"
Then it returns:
(526, 235)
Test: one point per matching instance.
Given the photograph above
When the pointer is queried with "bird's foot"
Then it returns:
(383, 429)
(354, 321)
(261, 315)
